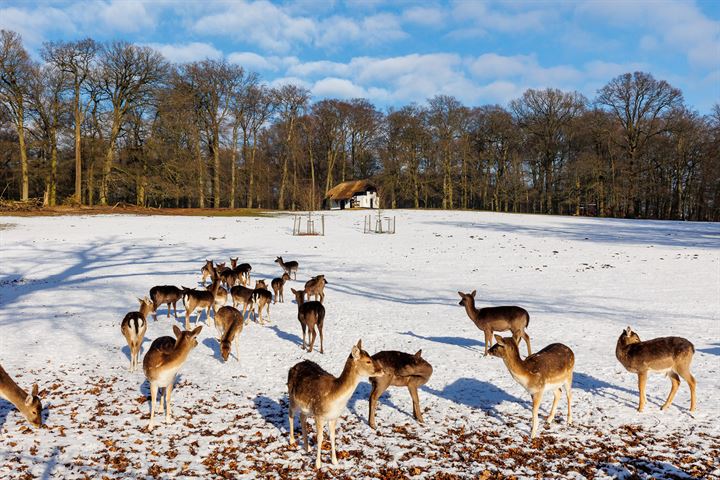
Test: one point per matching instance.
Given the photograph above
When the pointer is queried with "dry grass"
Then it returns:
(123, 209)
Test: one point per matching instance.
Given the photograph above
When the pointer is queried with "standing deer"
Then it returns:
(278, 284)
(316, 393)
(161, 364)
(221, 294)
(229, 323)
(241, 294)
(262, 298)
(208, 270)
(497, 319)
(202, 299)
(290, 268)
(28, 405)
(229, 277)
(669, 355)
(233, 262)
(316, 287)
(399, 370)
(548, 369)
(243, 273)
(133, 327)
(310, 315)
(165, 294)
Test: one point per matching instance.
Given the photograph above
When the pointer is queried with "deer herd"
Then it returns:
(315, 393)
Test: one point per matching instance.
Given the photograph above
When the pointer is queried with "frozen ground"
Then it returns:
(66, 282)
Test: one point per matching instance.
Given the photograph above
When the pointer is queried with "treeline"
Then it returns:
(105, 123)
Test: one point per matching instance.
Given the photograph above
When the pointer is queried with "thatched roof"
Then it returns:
(345, 190)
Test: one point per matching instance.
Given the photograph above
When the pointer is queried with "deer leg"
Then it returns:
(291, 422)
(556, 398)
(379, 385)
(153, 397)
(536, 406)
(237, 347)
(488, 340)
(331, 426)
(642, 380)
(305, 428)
(674, 384)
(417, 413)
(303, 329)
(168, 398)
(684, 372)
(320, 327)
(526, 337)
(175, 308)
(188, 312)
(568, 395)
(312, 334)
(319, 427)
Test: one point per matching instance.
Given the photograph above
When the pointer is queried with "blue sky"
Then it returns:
(399, 52)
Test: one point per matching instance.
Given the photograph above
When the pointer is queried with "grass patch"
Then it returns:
(123, 209)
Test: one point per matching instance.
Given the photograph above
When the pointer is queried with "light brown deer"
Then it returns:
(221, 294)
(497, 319)
(261, 298)
(310, 315)
(208, 270)
(229, 323)
(202, 299)
(28, 405)
(290, 268)
(548, 369)
(161, 364)
(316, 287)
(669, 355)
(241, 294)
(399, 370)
(133, 327)
(278, 284)
(313, 392)
(165, 294)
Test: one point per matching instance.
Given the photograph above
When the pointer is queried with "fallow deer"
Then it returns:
(133, 327)
(278, 284)
(208, 270)
(261, 298)
(221, 294)
(313, 392)
(316, 287)
(400, 369)
(310, 315)
(233, 262)
(165, 294)
(290, 268)
(228, 277)
(161, 364)
(28, 405)
(241, 294)
(229, 322)
(548, 369)
(497, 319)
(203, 299)
(243, 273)
(669, 355)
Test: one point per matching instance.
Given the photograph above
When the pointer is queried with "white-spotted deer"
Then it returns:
(208, 270)
(243, 273)
(133, 327)
(203, 299)
(278, 285)
(313, 392)
(229, 323)
(161, 363)
(497, 319)
(290, 268)
(400, 369)
(310, 315)
(548, 369)
(28, 405)
(165, 294)
(316, 287)
(669, 355)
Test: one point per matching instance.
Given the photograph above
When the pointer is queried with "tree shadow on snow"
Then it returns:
(476, 394)
(630, 467)
(274, 412)
(290, 337)
(463, 342)
(713, 350)
(362, 392)
(601, 388)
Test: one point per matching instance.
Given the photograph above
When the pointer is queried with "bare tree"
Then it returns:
(292, 101)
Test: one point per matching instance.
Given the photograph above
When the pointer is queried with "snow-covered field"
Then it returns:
(66, 283)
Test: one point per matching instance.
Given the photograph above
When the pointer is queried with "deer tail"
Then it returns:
(527, 319)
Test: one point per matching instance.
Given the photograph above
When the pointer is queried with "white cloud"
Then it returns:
(425, 16)
(251, 61)
(332, 87)
(485, 17)
(187, 52)
(33, 26)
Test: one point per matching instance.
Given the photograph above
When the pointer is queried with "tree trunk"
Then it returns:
(78, 153)
(216, 168)
(107, 164)
(52, 191)
(201, 173)
(23, 153)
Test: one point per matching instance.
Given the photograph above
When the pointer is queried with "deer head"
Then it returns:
(363, 362)
(468, 299)
(186, 340)
(628, 337)
(503, 347)
(32, 408)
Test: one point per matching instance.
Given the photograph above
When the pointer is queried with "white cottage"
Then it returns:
(353, 194)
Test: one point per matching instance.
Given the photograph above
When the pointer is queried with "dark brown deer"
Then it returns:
(497, 319)
(208, 270)
(229, 277)
(669, 355)
(290, 268)
(165, 294)
(313, 392)
(278, 284)
(241, 294)
(221, 294)
(316, 287)
(399, 370)
(133, 328)
(261, 298)
(233, 262)
(310, 315)
(243, 273)
(203, 299)
(29, 405)
(229, 323)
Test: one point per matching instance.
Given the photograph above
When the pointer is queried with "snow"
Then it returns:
(66, 283)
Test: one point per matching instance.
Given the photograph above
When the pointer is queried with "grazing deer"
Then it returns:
(497, 319)
(548, 369)
(241, 294)
(399, 370)
(203, 299)
(133, 327)
(669, 355)
(162, 362)
(316, 393)
(243, 273)
(166, 294)
(262, 298)
(208, 270)
(229, 323)
(316, 287)
(290, 268)
(28, 405)
(278, 284)
(310, 315)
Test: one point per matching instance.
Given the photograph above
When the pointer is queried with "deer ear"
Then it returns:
(499, 339)
(473, 293)
(418, 354)
(293, 290)
(462, 295)
(28, 400)
(355, 352)
(359, 344)
(35, 390)
(628, 330)
(177, 331)
(197, 331)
